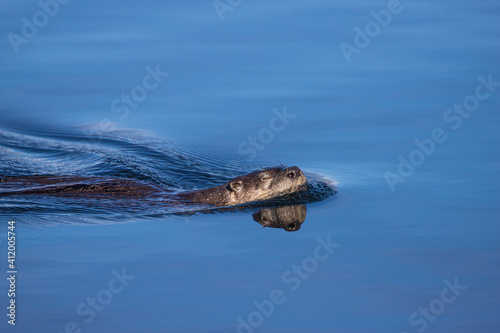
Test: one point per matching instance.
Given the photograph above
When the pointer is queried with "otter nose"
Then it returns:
(293, 172)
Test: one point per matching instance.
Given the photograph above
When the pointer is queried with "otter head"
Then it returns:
(265, 184)
(289, 218)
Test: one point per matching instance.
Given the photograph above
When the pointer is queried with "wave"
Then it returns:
(126, 154)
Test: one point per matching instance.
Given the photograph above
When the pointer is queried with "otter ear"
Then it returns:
(236, 186)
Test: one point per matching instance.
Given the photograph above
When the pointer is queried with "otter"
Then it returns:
(256, 186)
(289, 218)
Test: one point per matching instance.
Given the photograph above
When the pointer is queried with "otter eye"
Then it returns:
(291, 174)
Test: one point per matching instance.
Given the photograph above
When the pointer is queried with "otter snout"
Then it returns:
(296, 175)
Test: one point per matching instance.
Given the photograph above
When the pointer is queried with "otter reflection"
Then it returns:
(289, 218)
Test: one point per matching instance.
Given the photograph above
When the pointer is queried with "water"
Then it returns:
(398, 239)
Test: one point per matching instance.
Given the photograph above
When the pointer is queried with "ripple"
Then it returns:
(125, 154)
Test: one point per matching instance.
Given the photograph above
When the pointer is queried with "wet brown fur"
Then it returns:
(255, 186)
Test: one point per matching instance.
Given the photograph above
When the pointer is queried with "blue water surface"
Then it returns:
(394, 102)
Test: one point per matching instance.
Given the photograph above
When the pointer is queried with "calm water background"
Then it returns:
(352, 120)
